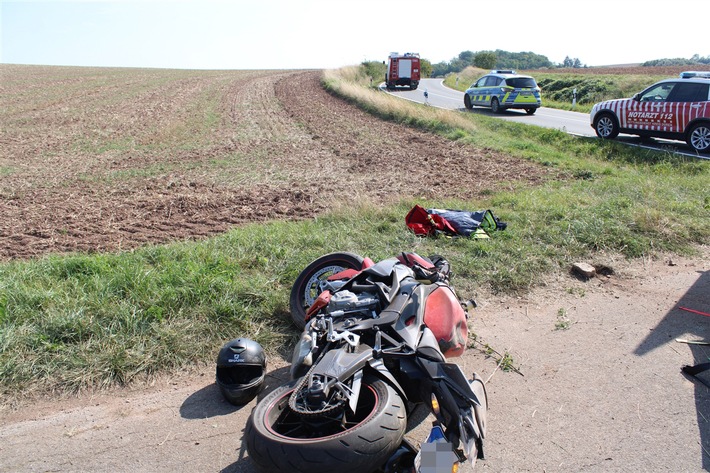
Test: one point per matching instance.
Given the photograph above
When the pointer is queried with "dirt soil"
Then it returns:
(100, 172)
(598, 386)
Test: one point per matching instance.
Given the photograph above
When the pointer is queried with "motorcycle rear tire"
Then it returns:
(362, 448)
(304, 290)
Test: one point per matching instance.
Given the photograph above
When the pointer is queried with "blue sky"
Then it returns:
(295, 34)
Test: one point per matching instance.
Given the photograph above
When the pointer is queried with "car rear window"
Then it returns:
(521, 82)
(689, 92)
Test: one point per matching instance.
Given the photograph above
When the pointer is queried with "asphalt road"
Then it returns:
(444, 97)
(574, 123)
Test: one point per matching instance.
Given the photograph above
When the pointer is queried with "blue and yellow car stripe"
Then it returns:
(505, 98)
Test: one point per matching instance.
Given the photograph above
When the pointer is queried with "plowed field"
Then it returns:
(109, 159)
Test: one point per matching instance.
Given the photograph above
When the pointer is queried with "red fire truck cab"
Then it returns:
(404, 70)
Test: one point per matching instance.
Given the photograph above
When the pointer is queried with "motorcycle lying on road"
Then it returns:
(375, 343)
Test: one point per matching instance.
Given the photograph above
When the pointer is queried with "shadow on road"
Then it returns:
(273, 380)
(205, 403)
(680, 323)
(510, 112)
(243, 464)
(208, 401)
(660, 144)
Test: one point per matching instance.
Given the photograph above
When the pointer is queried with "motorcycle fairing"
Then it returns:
(441, 311)
(384, 278)
(413, 259)
(462, 409)
(428, 346)
(350, 272)
(340, 364)
(321, 301)
(451, 374)
(445, 317)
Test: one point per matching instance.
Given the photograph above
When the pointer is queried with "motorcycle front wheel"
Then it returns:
(306, 288)
(280, 440)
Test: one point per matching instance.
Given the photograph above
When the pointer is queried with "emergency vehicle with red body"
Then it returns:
(403, 69)
(676, 109)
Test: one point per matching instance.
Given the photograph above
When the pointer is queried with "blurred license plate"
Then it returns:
(435, 454)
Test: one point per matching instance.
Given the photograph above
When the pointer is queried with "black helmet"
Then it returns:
(241, 367)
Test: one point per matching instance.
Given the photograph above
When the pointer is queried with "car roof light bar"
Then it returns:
(691, 74)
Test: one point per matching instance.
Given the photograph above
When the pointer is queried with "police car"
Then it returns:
(677, 109)
(501, 90)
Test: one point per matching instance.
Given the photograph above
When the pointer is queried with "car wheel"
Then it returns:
(530, 111)
(495, 106)
(606, 126)
(467, 101)
(699, 137)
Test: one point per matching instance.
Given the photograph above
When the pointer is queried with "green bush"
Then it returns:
(375, 70)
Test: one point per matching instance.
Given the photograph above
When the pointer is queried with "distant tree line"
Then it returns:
(573, 63)
(500, 59)
(497, 59)
(696, 59)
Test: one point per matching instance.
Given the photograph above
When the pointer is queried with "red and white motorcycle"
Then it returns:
(375, 345)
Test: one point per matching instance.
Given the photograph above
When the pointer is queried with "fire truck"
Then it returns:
(403, 69)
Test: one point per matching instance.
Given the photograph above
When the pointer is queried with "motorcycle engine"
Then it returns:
(348, 303)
